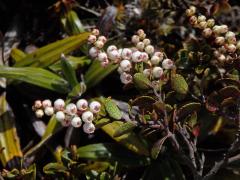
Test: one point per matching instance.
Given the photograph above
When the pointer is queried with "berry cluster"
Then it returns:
(71, 113)
(224, 39)
(142, 52)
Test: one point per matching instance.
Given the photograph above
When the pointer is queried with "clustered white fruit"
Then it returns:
(225, 40)
(154, 62)
(70, 114)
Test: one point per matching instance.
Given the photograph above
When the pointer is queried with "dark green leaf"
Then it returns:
(124, 128)
(141, 81)
(112, 109)
(179, 84)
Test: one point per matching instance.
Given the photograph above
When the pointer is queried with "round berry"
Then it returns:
(220, 40)
(149, 49)
(82, 104)
(111, 48)
(76, 122)
(222, 58)
(49, 111)
(37, 104)
(157, 72)
(60, 116)
(99, 44)
(207, 32)
(223, 28)
(92, 39)
(71, 109)
(137, 56)
(103, 39)
(105, 63)
(95, 32)
(202, 25)
(39, 113)
(125, 78)
(201, 18)
(159, 54)
(95, 106)
(155, 60)
(146, 42)
(102, 56)
(140, 32)
(147, 72)
(88, 128)
(59, 104)
(167, 64)
(93, 52)
(114, 55)
(66, 122)
(46, 103)
(126, 53)
(87, 116)
(193, 20)
(144, 56)
(210, 23)
(135, 39)
(231, 48)
(125, 65)
(140, 46)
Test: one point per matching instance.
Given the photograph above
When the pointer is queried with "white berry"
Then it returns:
(88, 128)
(157, 72)
(125, 78)
(95, 32)
(95, 106)
(71, 109)
(46, 103)
(111, 48)
(99, 44)
(93, 52)
(60, 116)
(92, 39)
(147, 72)
(39, 113)
(87, 116)
(59, 104)
(126, 53)
(125, 65)
(231, 48)
(82, 104)
(220, 40)
(155, 60)
(102, 56)
(147, 42)
(201, 18)
(37, 104)
(207, 32)
(167, 64)
(114, 55)
(49, 111)
(102, 38)
(135, 39)
(140, 46)
(149, 49)
(76, 122)
(136, 56)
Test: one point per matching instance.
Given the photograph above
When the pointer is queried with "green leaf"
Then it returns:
(157, 147)
(141, 81)
(112, 109)
(55, 168)
(9, 141)
(72, 23)
(179, 84)
(17, 54)
(51, 53)
(188, 109)
(111, 153)
(68, 72)
(36, 76)
(75, 62)
(129, 140)
(124, 128)
(96, 73)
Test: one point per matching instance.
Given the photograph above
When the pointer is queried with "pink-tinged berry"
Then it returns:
(135, 39)
(37, 104)
(82, 104)
(59, 104)
(193, 20)
(157, 72)
(126, 78)
(140, 46)
(220, 40)
(95, 107)
(102, 56)
(207, 32)
(231, 48)
(87, 116)
(92, 39)
(167, 64)
(76, 122)
(201, 18)
(111, 48)
(99, 44)
(71, 109)
(103, 39)
(147, 72)
(49, 111)
(114, 55)
(126, 53)
(155, 60)
(144, 56)
(137, 57)
(93, 52)
(147, 42)
(46, 103)
(149, 49)
(95, 32)
(88, 128)
(125, 65)
(105, 63)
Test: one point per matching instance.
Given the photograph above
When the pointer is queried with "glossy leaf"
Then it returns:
(96, 73)
(36, 76)
(112, 109)
(17, 54)
(141, 81)
(188, 109)
(55, 168)
(124, 128)
(157, 147)
(129, 140)
(51, 53)
(179, 84)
